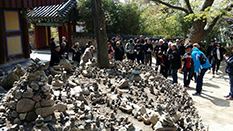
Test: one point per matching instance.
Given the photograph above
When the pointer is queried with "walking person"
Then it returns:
(201, 65)
(164, 64)
(218, 57)
(119, 51)
(188, 65)
(175, 62)
(210, 51)
(139, 52)
(148, 52)
(129, 49)
(229, 71)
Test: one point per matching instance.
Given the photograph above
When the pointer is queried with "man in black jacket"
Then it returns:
(52, 44)
(119, 51)
(175, 62)
(218, 57)
(210, 51)
(55, 56)
(164, 64)
(139, 52)
(182, 52)
(148, 50)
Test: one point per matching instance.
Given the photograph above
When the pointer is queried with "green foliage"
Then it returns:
(120, 18)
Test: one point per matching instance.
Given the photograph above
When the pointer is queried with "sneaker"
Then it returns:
(188, 86)
(229, 98)
(226, 96)
(196, 94)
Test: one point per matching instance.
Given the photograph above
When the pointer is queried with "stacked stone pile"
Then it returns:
(126, 97)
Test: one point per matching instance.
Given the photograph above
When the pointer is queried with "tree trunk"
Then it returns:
(100, 33)
(197, 31)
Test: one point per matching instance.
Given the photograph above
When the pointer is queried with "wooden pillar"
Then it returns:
(40, 37)
(25, 36)
(60, 33)
(36, 37)
(3, 53)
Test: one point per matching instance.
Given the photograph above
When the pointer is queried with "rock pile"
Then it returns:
(126, 97)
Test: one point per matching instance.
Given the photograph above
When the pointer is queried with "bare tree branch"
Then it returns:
(206, 4)
(172, 6)
(189, 6)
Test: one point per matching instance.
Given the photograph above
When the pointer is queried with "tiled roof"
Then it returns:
(53, 13)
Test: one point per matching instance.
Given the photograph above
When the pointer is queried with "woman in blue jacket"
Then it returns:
(199, 68)
(229, 70)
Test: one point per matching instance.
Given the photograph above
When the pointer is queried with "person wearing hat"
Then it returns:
(52, 44)
(129, 49)
(119, 51)
(55, 56)
(175, 62)
(210, 51)
(188, 65)
(229, 71)
(199, 68)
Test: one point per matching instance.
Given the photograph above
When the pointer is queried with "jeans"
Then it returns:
(231, 85)
(216, 62)
(174, 75)
(199, 80)
(188, 72)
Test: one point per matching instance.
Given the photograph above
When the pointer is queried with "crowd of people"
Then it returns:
(171, 58)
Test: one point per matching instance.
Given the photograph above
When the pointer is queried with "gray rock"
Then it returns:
(31, 116)
(37, 105)
(25, 105)
(47, 102)
(123, 84)
(22, 116)
(8, 81)
(17, 121)
(61, 107)
(28, 94)
(45, 88)
(45, 111)
(18, 94)
(14, 114)
(34, 86)
(48, 118)
(36, 98)
(12, 105)
(2, 108)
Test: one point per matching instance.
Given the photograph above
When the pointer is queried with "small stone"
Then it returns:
(22, 116)
(45, 88)
(37, 105)
(31, 116)
(12, 105)
(36, 98)
(25, 105)
(123, 84)
(48, 118)
(17, 121)
(61, 107)
(2, 108)
(28, 94)
(14, 114)
(47, 102)
(45, 111)
(34, 86)
(18, 94)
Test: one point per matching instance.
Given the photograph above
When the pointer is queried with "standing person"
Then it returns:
(175, 62)
(164, 63)
(141, 39)
(188, 65)
(55, 56)
(87, 55)
(52, 44)
(88, 44)
(210, 51)
(139, 52)
(229, 71)
(160, 47)
(200, 67)
(182, 52)
(77, 52)
(218, 57)
(110, 50)
(129, 49)
(165, 42)
(148, 51)
(64, 41)
(64, 50)
(119, 51)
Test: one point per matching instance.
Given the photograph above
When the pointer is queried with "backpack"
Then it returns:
(202, 59)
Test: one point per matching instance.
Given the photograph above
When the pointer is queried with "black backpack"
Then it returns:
(202, 59)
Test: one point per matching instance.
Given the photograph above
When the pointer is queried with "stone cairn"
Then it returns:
(127, 97)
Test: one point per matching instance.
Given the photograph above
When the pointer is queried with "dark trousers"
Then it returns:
(199, 80)
(164, 71)
(131, 56)
(148, 59)
(210, 58)
(231, 85)
(174, 75)
(216, 62)
(187, 73)
(140, 58)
